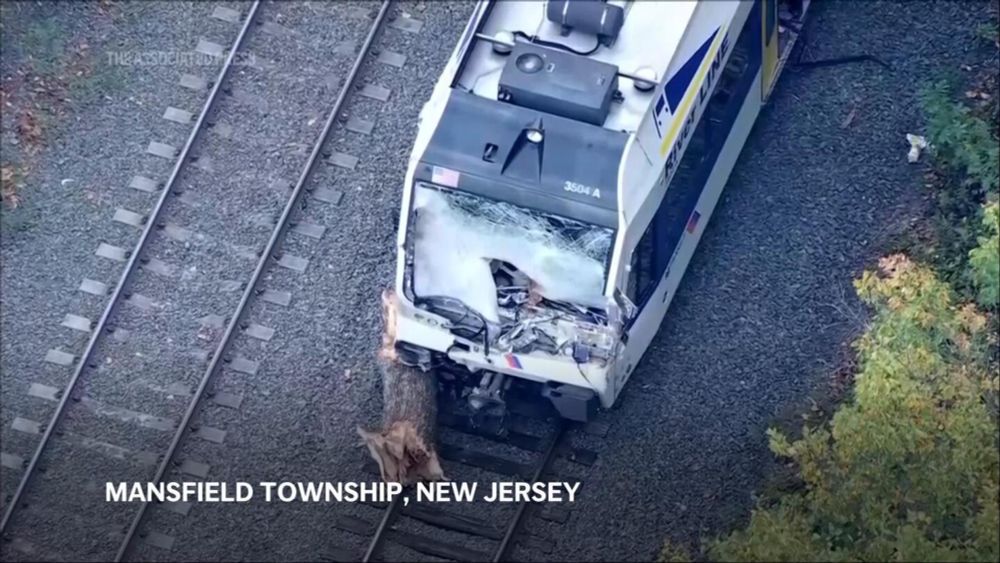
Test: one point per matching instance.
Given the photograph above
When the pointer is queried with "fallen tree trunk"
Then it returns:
(404, 447)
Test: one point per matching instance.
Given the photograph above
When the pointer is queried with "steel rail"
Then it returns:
(543, 466)
(387, 521)
(393, 510)
(130, 269)
(277, 237)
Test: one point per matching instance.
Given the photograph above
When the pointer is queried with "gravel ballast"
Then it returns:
(756, 324)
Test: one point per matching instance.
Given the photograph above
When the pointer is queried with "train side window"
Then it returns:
(642, 274)
(656, 247)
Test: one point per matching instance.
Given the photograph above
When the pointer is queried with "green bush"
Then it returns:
(961, 140)
(984, 260)
(907, 469)
(966, 151)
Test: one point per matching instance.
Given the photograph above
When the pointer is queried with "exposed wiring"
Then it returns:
(579, 368)
(800, 64)
(842, 60)
(466, 310)
(534, 39)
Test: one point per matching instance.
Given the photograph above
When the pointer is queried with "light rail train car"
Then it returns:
(563, 172)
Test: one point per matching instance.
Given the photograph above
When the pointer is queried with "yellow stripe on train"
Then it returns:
(681, 113)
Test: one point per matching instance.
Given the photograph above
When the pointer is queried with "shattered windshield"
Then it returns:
(478, 250)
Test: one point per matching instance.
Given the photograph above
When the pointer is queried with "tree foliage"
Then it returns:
(967, 150)
(960, 139)
(908, 468)
(984, 260)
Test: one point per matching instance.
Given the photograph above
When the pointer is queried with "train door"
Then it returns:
(769, 44)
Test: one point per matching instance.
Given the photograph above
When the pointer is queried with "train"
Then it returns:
(563, 172)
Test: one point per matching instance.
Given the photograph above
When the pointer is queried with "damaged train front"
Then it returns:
(503, 283)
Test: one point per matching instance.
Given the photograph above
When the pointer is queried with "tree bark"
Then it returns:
(405, 446)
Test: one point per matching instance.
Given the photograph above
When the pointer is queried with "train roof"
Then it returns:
(650, 35)
(569, 169)
(610, 81)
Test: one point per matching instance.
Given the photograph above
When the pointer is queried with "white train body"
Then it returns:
(544, 230)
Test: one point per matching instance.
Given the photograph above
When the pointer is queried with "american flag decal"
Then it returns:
(445, 176)
(693, 222)
(512, 361)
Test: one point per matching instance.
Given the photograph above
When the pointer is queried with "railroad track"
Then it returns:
(474, 531)
(162, 348)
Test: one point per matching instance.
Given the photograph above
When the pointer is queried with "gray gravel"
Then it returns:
(235, 182)
(755, 326)
(299, 413)
(81, 178)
